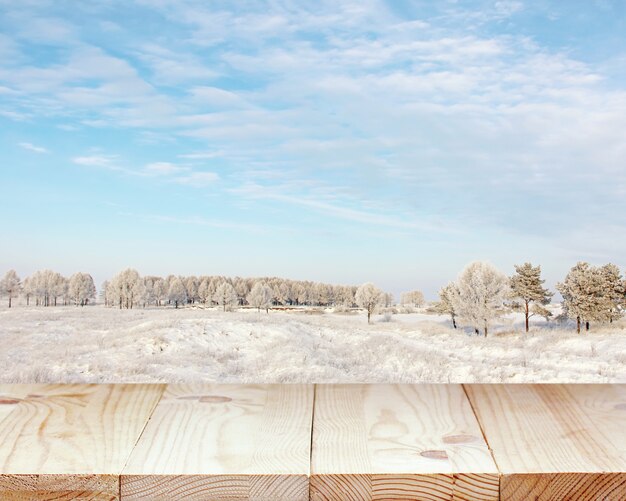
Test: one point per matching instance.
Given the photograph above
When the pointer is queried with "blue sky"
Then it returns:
(339, 141)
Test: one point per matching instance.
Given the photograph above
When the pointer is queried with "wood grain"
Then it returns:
(230, 442)
(556, 442)
(384, 442)
(69, 441)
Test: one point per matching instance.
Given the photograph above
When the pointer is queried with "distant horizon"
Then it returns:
(391, 142)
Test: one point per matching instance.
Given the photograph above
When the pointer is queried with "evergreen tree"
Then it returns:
(527, 285)
(446, 301)
(584, 295)
(613, 287)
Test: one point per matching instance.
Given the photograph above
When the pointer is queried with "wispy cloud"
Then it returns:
(202, 221)
(103, 161)
(163, 168)
(423, 117)
(33, 148)
(197, 179)
(202, 155)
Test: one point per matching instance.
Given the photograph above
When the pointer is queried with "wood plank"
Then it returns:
(230, 442)
(69, 441)
(556, 441)
(383, 442)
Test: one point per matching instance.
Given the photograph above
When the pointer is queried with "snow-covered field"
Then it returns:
(97, 344)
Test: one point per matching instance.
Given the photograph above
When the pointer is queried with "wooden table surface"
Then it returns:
(319, 442)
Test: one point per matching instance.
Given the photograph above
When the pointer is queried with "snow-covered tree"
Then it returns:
(191, 286)
(81, 289)
(159, 291)
(587, 296)
(47, 286)
(527, 286)
(104, 290)
(370, 297)
(300, 294)
(125, 288)
(614, 290)
(260, 296)
(226, 296)
(203, 291)
(412, 298)
(27, 289)
(445, 305)
(241, 288)
(284, 293)
(10, 285)
(59, 287)
(482, 290)
(149, 296)
(177, 293)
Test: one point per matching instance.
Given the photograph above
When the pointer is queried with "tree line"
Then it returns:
(479, 295)
(482, 293)
(128, 289)
(49, 288)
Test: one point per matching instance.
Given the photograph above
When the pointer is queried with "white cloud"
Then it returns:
(433, 116)
(171, 68)
(32, 147)
(45, 30)
(202, 155)
(197, 179)
(163, 168)
(216, 98)
(104, 161)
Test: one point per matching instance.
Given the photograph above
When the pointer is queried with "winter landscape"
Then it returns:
(282, 191)
(97, 344)
(184, 329)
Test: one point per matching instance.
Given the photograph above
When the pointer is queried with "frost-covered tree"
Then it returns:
(579, 291)
(241, 288)
(614, 290)
(59, 287)
(482, 290)
(370, 297)
(284, 293)
(191, 286)
(10, 285)
(587, 296)
(148, 296)
(260, 296)
(226, 296)
(47, 286)
(527, 286)
(177, 293)
(125, 288)
(300, 294)
(81, 288)
(344, 296)
(412, 298)
(445, 305)
(27, 289)
(204, 296)
(104, 289)
(159, 291)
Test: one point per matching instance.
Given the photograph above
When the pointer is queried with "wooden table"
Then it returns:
(319, 442)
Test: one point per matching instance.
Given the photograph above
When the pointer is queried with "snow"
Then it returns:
(98, 344)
